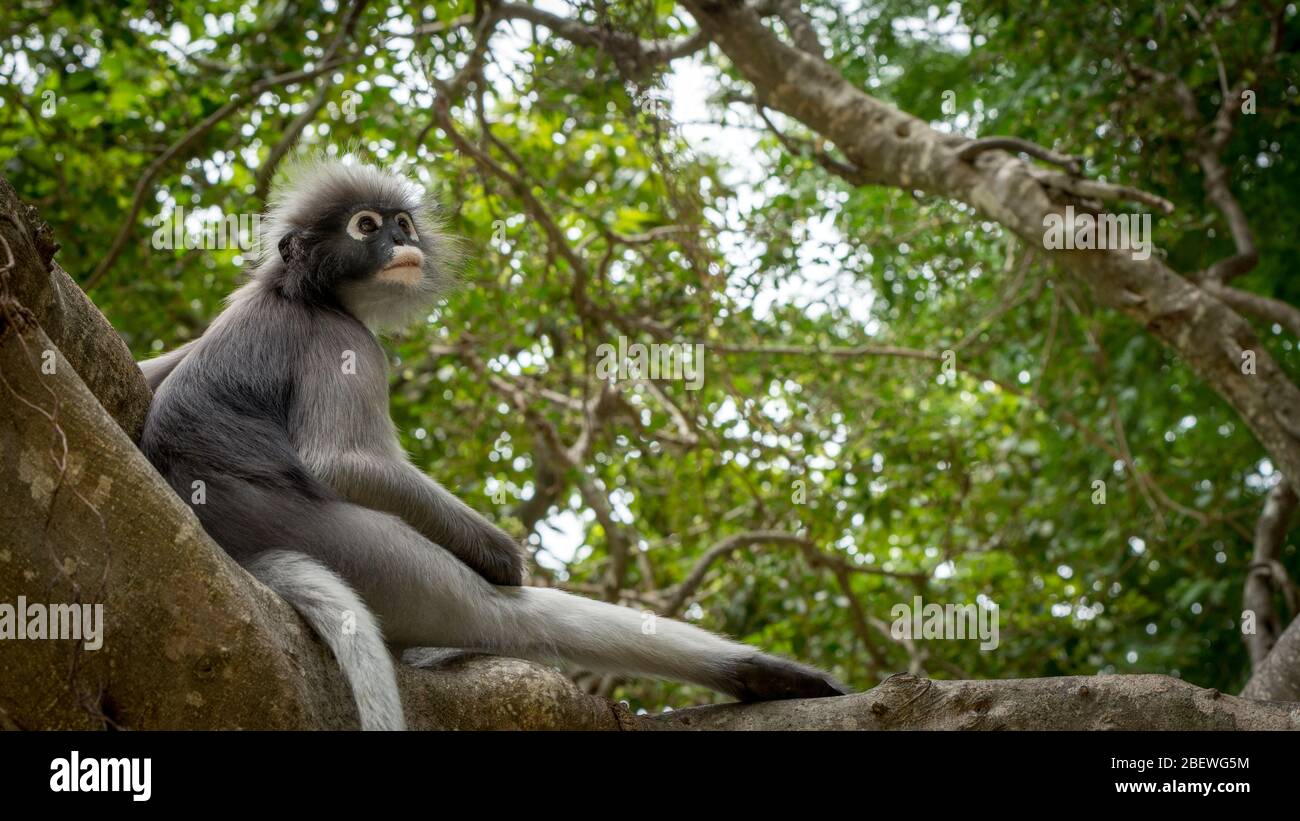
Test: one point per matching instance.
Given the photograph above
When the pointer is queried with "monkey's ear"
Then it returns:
(291, 246)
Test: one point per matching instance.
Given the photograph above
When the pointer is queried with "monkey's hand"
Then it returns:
(494, 555)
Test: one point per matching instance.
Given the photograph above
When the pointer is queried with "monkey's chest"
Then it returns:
(342, 399)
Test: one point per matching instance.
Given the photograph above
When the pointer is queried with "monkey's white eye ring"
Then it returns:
(364, 223)
(407, 224)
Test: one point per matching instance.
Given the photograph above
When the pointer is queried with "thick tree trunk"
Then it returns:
(67, 315)
(192, 641)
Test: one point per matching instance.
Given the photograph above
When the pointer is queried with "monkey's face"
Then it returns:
(370, 243)
(358, 256)
(359, 238)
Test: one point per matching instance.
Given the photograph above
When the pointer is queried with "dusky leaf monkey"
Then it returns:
(306, 484)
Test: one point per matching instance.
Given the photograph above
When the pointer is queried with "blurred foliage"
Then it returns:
(973, 486)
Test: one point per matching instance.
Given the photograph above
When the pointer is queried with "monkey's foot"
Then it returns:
(767, 678)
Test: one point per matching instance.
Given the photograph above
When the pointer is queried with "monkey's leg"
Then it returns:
(425, 597)
(345, 624)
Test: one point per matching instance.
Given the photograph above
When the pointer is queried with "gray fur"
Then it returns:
(300, 456)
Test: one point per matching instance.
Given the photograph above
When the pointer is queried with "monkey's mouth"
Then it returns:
(405, 267)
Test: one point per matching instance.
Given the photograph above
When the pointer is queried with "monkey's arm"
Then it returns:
(396, 486)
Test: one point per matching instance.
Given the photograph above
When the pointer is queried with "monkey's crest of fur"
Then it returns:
(310, 184)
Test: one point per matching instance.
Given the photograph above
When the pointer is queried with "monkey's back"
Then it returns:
(218, 427)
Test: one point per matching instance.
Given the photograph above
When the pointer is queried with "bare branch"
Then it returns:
(1260, 307)
(1261, 580)
(818, 151)
(1016, 145)
(627, 48)
(1093, 189)
(798, 23)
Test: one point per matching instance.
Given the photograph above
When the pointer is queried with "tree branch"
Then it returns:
(1260, 307)
(1262, 579)
(894, 148)
(904, 702)
(624, 47)
(1016, 145)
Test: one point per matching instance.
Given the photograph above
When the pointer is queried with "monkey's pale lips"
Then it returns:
(405, 267)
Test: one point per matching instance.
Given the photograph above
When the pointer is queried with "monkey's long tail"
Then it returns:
(344, 622)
